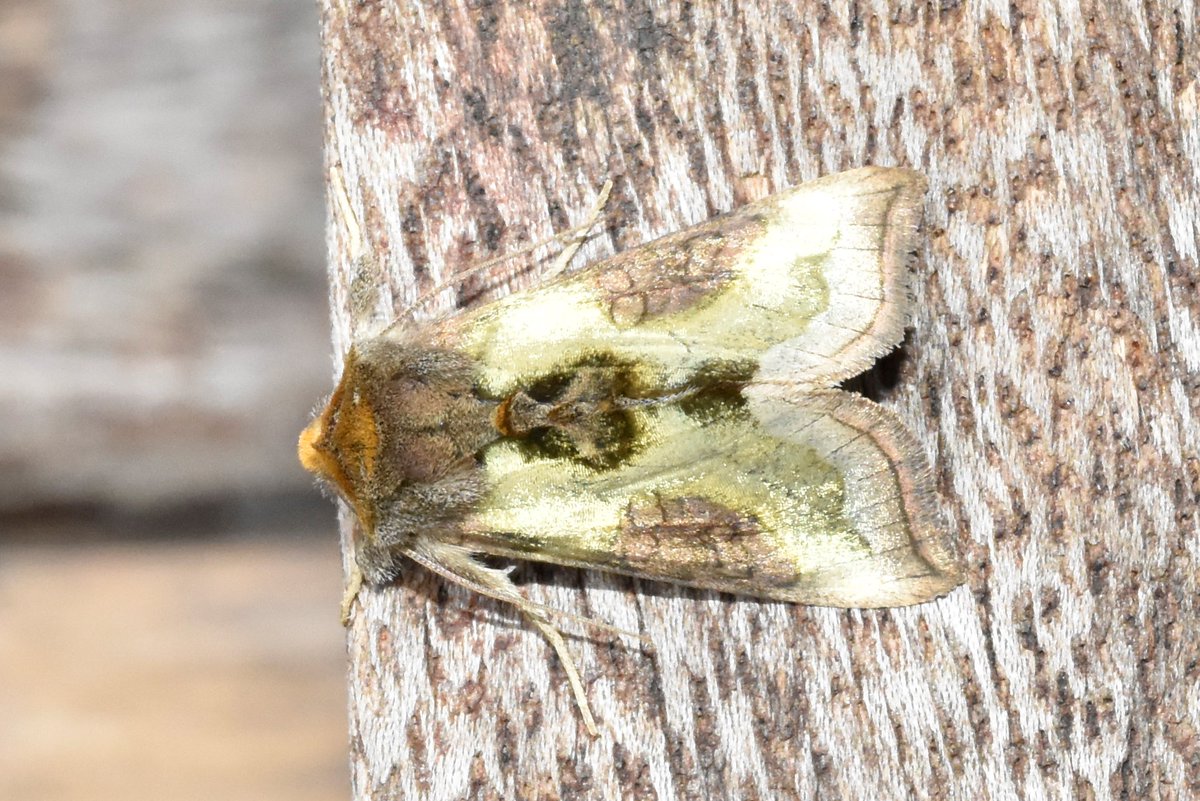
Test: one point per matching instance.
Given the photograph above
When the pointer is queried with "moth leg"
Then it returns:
(353, 586)
(455, 563)
(560, 647)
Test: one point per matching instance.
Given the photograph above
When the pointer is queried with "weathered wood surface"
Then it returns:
(1052, 374)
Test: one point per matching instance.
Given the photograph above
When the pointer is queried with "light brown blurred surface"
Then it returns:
(193, 670)
(168, 586)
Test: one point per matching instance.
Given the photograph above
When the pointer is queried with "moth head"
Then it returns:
(341, 445)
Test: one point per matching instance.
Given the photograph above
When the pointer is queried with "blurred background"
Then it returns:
(169, 579)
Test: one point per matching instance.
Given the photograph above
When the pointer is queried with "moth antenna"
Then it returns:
(346, 212)
(578, 235)
(564, 258)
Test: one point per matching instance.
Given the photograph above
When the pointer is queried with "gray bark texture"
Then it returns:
(1051, 374)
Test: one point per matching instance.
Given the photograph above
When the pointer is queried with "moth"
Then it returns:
(672, 412)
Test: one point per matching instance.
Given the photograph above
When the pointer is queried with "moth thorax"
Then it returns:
(341, 446)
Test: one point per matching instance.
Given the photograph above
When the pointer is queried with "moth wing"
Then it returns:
(809, 285)
(818, 498)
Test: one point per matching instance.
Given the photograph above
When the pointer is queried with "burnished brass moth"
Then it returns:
(670, 412)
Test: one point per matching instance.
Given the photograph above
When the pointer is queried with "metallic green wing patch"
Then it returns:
(789, 498)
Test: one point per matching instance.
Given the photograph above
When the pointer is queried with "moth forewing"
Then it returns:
(894, 550)
(670, 412)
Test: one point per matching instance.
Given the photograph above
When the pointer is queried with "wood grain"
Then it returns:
(1052, 375)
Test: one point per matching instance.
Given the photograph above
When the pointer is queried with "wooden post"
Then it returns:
(1053, 375)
